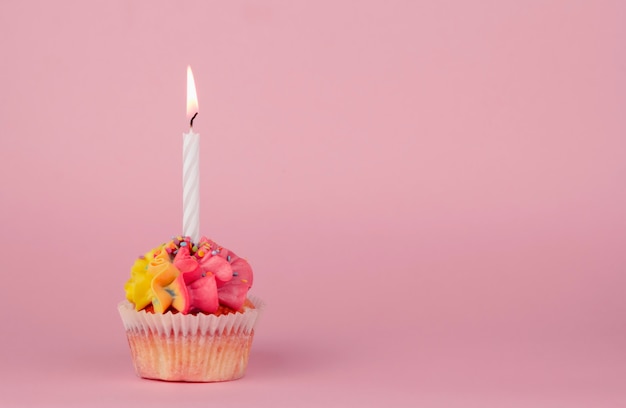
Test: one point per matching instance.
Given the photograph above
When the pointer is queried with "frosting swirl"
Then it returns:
(189, 278)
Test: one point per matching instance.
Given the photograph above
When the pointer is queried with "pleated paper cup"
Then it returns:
(198, 348)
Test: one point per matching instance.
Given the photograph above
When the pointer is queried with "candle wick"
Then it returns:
(192, 118)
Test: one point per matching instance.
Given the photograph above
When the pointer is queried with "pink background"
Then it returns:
(431, 194)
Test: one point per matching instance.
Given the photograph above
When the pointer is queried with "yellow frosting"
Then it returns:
(154, 279)
(138, 288)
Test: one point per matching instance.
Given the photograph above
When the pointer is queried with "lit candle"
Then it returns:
(191, 166)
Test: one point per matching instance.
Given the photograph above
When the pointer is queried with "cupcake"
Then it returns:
(188, 316)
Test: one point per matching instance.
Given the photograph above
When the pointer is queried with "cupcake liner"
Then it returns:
(177, 347)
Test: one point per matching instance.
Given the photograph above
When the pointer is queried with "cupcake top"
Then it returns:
(189, 278)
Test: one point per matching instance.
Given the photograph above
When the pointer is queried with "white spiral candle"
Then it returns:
(191, 167)
(191, 185)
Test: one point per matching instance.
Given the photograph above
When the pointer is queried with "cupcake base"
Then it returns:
(190, 358)
(200, 348)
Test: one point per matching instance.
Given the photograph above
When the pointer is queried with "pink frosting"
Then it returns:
(218, 277)
(232, 287)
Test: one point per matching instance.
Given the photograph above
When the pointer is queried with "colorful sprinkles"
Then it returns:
(195, 249)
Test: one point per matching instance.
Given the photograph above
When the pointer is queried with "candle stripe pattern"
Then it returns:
(191, 185)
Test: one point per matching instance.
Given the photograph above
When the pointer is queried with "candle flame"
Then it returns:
(192, 98)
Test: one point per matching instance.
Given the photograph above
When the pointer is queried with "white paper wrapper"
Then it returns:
(177, 347)
(179, 324)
